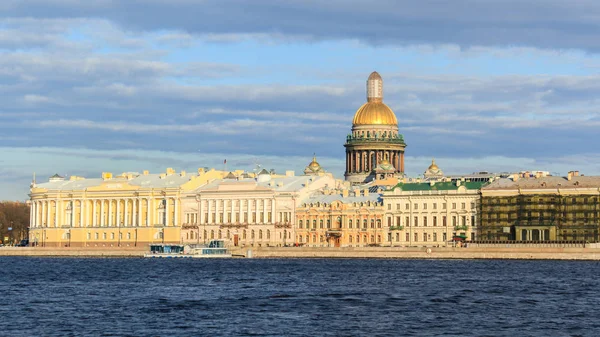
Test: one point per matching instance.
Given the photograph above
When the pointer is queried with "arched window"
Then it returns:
(320, 223)
(220, 235)
(372, 223)
(378, 223)
(212, 234)
(228, 234)
(349, 223)
(244, 234)
(268, 234)
(260, 234)
(350, 239)
(300, 238)
(365, 223)
(300, 224)
(112, 236)
(252, 235)
(358, 239)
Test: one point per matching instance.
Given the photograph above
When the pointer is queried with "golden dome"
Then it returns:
(374, 113)
(433, 166)
(314, 164)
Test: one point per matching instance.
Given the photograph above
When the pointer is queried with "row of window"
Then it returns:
(541, 200)
(191, 235)
(454, 205)
(105, 236)
(417, 237)
(236, 203)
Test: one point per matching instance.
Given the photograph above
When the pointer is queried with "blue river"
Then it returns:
(297, 297)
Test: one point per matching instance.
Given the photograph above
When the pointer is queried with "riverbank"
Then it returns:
(429, 253)
(526, 253)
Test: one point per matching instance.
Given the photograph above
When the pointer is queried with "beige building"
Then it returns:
(432, 213)
(341, 218)
(128, 210)
(249, 211)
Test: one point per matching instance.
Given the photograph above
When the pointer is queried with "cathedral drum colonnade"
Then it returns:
(374, 149)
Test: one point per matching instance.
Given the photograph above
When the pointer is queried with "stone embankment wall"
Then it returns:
(71, 251)
(366, 252)
(427, 253)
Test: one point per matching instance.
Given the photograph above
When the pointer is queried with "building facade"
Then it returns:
(541, 208)
(432, 213)
(341, 218)
(128, 210)
(374, 148)
(254, 212)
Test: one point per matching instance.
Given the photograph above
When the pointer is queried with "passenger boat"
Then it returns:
(167, 250)
(214, 249)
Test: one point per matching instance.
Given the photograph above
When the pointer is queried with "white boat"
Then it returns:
(214, 249)
(167, 250)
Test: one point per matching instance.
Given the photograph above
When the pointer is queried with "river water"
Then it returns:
(297, 297)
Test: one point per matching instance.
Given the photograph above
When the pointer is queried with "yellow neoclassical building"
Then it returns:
(126, 210)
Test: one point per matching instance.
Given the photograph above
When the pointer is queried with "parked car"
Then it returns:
(23, 243)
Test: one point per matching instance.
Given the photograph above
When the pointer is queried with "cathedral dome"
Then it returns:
(377, 113)
(374, 112)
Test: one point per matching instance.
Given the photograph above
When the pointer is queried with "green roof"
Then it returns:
(440, 186)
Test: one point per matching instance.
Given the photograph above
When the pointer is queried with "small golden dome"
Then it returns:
(314, 163)
(433, 166)
(385, 162)
(374, 113)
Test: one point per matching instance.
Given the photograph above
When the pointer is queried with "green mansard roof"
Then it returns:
(440, 186)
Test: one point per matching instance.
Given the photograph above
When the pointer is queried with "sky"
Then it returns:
(124, 86)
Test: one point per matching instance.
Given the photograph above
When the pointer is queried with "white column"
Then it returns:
(264, 212)
(31, 217)
(81, 212)
(72, 224)
(148, 212)
(110, 213)
(102, 219)
(273, 216)
(56, 208)
(126, 217)
(175, 210)
(94, 219)
(216, 220)
(241, 210)
(208, 210)
(201, 211)
(118, 213)
(232, 211)
(166, 211)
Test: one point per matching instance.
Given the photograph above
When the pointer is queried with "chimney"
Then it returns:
(345, 193)
(570, 175)
(366, 192)
(538, 175)
(457, 182)
(183, 173)
(356, 192)
(146, 172)
(106, 175)
(575, 173)
(170, 171)
(290, 173)
(515, 177)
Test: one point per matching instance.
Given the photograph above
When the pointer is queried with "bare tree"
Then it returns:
(14, 215)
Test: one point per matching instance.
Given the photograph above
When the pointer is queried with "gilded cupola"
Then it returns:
(374, 112)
